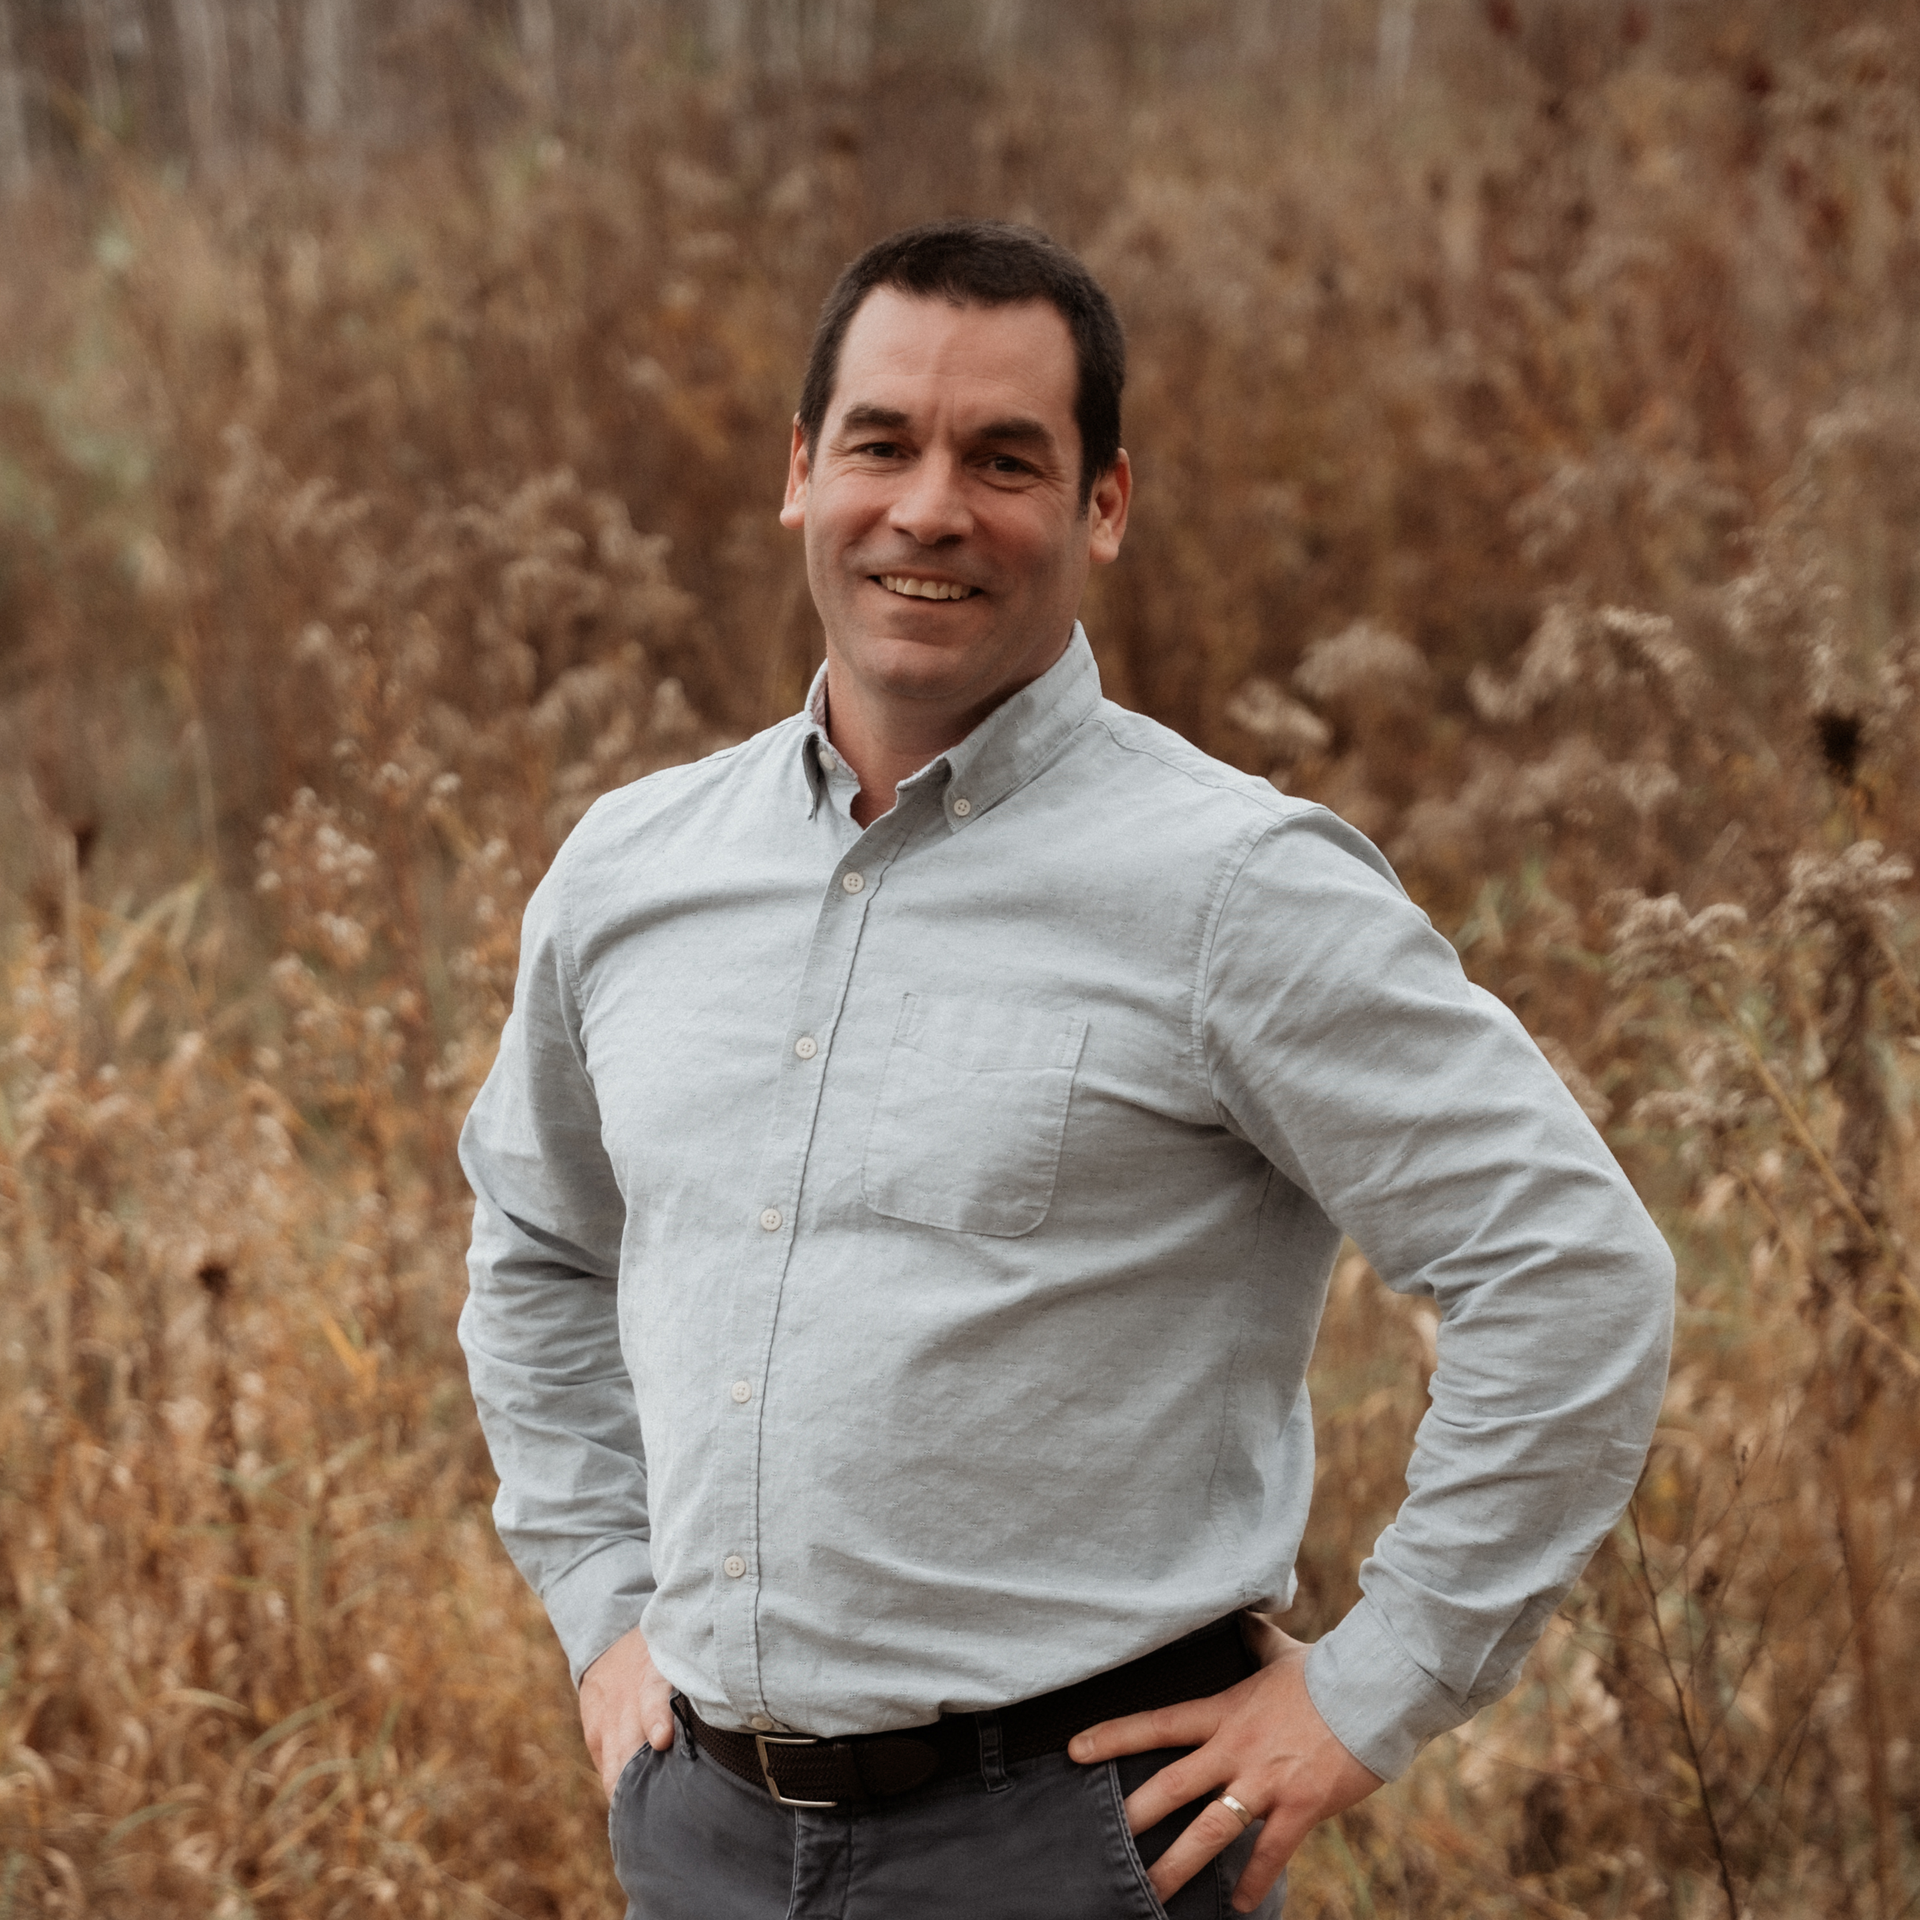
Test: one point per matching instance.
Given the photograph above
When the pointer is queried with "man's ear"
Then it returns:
(1107, 510)
(794, 512)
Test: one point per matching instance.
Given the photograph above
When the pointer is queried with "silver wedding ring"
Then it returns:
(1234, 1807)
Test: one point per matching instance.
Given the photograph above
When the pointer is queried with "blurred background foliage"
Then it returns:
(1526, 410)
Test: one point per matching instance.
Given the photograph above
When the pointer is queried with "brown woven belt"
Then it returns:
(800, 1770)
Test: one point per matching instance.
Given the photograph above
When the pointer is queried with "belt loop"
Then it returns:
(683, 1712)
(993, 1766)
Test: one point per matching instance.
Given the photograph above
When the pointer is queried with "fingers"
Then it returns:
(1189, 1724)
(612, 1766)
(656, 1710)
(1175, 1786)
(618, 1738)
(1262, 1740)
(1278, 1843)
(625, 1704)
(1212, 1830)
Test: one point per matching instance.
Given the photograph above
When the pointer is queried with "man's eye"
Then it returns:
(884, 449)
(1006, 463)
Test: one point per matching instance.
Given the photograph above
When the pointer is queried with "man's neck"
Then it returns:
(888, 741)
(883, 756)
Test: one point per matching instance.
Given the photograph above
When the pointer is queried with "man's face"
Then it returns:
(946, 545)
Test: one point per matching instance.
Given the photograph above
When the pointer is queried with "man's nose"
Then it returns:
(931, 505)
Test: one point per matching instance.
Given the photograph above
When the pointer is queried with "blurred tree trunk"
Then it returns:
(203, 70)
(1254, 25)
(538, 52)
(16, 153)
(325, 45)
(103, 80)
(727, 30)
(1396, 46)
(999, 28)
(775, 47)
(266, 64)
(795, 39)
(843, 39)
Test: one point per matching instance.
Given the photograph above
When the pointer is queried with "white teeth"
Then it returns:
(924, 589)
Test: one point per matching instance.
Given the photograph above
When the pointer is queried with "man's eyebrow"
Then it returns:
(1016, 427)
(856, 418)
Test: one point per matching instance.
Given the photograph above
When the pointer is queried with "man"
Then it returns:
(906, 1198)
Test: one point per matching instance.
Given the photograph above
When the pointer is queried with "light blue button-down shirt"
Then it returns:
(898, 1251)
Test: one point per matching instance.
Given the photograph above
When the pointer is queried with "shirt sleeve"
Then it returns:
(1343, 1040)
(540, 1327)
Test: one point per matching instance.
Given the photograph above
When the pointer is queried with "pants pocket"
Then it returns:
(690, 1842)
(623, 1792)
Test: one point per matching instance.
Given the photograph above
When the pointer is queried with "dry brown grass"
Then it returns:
(1531, 472)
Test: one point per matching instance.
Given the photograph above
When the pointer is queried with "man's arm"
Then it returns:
(1343, 1041)
(540, 1327)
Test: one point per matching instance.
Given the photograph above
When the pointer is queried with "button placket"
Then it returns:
(755, 1316)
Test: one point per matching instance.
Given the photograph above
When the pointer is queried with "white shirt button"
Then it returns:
(770, 1219)
(963, 808)
(760, 1723)
(742, 1391)
(733, 1566)
(852, 882)
(806, 1046)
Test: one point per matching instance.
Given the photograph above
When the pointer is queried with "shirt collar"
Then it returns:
(818, 755)
(998, 757)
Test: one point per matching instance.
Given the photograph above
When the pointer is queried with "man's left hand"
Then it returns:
(1262, 1741)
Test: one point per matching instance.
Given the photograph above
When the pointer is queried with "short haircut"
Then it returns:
(986, 263)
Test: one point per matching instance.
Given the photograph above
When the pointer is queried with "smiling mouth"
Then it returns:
(924, 589)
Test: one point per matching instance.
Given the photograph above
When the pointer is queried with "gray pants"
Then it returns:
(1041, 1840)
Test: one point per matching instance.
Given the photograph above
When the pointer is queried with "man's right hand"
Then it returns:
(624, 1704)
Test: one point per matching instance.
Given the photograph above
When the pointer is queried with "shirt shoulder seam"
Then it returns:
(681, 772)
(1229, 874)
(1274, 816)
(1273, 805)
(1224, 878)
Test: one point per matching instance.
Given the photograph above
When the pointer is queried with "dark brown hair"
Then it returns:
(985, 263)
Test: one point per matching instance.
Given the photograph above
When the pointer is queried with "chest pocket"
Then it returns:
(973, 1105)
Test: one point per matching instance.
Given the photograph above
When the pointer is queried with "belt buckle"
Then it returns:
(762, 1741)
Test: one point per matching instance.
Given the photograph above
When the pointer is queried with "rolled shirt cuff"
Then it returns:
(1381, 1707)
(598, 1599)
